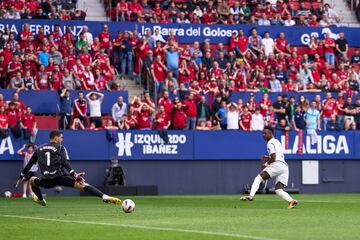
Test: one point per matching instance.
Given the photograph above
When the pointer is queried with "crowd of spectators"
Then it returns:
(250, 12)
(186, 73)
(56, 60)
(194, 111)
(36, 9)
(18, 118)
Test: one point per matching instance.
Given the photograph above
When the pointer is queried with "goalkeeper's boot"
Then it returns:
(109, 199)
(246, 198)
(38, 201)
(292, 204)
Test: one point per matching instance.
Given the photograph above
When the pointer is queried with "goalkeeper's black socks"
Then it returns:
(36, 190)
(93, 191)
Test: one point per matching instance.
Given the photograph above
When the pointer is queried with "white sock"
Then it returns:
(284, 195)
(255, 185)
(105, 196)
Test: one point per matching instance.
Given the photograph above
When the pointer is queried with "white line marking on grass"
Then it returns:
(310, 201)
(143, 227)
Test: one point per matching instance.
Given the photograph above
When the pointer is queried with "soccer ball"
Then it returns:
(7, 194)
(128, 206)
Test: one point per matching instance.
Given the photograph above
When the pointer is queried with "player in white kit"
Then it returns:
(274, 167)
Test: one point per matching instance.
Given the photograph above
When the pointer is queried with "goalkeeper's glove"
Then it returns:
(78, 176)
(20, 179)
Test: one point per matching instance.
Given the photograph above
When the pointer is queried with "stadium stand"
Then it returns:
(223, 73)
(34, 9)
(220, 12)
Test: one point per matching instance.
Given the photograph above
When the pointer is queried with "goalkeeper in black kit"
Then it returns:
(53, 160)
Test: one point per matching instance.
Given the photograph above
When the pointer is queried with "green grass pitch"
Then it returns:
(326, 216)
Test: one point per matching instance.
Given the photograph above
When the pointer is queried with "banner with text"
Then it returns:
(192, 145)
(188, 33)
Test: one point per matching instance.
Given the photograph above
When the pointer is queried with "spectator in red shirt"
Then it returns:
(104, 38)
(329, 49)
(20, 104)
(158, 71)
(85, 57)
(14, 117)
(56, 79)
(251, 104)
(166, 102)
(265, 103)
(80, 108)
(132, 117)
(162, 120)
(178, 116)
(4, 123)
(245, 119)
(29, 126)
(123, 9)
(190, 111)
(328, 109)
(282, 45)
(144, 117)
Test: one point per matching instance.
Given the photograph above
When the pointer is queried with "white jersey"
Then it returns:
(274, 146)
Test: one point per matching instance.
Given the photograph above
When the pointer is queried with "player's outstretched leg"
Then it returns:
(37, 196)
(255, 186)
(96, 192)
(279, 190)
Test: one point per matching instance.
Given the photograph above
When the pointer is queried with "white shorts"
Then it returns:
(280, 170)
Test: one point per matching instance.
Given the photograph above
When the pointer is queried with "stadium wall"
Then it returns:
(207, 162)
(202, 177)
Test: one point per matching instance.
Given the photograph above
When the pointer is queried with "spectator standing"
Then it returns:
(44, 56)
(279, 108)
(257, 121)
(88, 37)
(312, 119)
(328, 110)
(232, 117)
(65, 109)
(127, 56)
(298, 121)
(29, 125)
(158, 72)
(4, 123)
(162, 120)
(172, 59)
(245, 121)
(267, 44)
(333, 125)
(144, 116)
(118, 109)
(342, 46)
(27, 155)
(203, 110)
(221, 115)
(191, 111)
(95, 100)
(329, 48)
(166, 102)
(80, 108)
(178, 116)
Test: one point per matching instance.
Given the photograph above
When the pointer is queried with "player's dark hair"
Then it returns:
(269, 128)
(55, 133)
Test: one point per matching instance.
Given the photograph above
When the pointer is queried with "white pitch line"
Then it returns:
(235, 235)
(310, 201)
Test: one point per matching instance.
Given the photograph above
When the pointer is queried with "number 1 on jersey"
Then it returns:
(47, 158)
